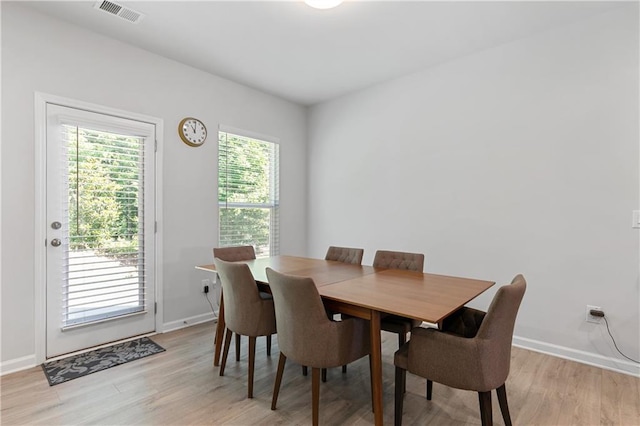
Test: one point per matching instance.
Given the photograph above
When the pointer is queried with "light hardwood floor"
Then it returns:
(181, 387)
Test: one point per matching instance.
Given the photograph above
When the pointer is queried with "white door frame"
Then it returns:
(40, 289)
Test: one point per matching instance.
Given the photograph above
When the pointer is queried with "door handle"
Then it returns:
(56, 225)
(56, 242)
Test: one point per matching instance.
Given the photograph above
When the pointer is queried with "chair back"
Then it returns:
(232, 254)
(500, 319)
(305, 334)
(496, 331)
(399, 260)
(243, 307)
(345, 255)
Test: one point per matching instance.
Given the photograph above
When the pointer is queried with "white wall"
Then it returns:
(47, 55)
(518, 159)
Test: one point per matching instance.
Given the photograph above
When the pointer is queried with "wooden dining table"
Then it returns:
(369, 293)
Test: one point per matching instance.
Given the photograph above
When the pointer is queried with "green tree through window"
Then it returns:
(104, 190)
(248, 196)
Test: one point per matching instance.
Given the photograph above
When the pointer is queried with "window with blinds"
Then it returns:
(248, 193)
(104, 245)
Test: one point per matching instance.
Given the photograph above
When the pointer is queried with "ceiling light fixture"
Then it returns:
(323, 4)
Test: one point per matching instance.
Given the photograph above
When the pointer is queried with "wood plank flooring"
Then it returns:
(181, 387)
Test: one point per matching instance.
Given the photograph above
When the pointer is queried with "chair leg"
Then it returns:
(402, 339)
(324, 375)
(315, 395)
(269, 345)
(225, 351)
(219, 340)
(485, 408)
(401, 378)
(371, 383)
(276, 386)
(305, 370)
(504, 407)
(429, 389)
(237, 347)
(252, 362)
(344, 369)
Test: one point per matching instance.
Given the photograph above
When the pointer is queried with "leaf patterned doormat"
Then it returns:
(70, 368)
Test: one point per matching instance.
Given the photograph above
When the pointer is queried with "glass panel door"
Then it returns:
(101, 236)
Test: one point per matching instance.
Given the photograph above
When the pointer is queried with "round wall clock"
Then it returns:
(192, 131)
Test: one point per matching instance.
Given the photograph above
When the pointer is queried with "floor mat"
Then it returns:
(75, 366)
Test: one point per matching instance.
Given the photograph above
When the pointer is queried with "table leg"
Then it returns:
(376, 366)
(219, 333)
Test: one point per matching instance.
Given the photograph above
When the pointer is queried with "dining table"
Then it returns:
(369, 293)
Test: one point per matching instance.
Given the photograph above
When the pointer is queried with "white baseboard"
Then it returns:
(18, 364)
(188, 322)
(589, 358)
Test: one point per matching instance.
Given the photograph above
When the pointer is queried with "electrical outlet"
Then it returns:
(205, 285)
(591, 318)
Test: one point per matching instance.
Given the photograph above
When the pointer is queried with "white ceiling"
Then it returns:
(306, 55)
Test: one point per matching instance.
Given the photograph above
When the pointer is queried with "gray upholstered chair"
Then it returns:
(472, 352)
(245, 312)
(235, 254)
(308, 337)
(345, 255)
(399, 260)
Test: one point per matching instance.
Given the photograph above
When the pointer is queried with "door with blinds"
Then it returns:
(100, 244)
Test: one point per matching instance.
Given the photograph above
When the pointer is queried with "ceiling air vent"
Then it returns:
(119, 11)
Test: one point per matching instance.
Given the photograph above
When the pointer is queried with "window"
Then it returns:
(105, 251)
(248, 193)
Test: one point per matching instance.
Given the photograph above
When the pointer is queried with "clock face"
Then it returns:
(192, 131)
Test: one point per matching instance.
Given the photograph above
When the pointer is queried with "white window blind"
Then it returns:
(248, 193)
(104, 269)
